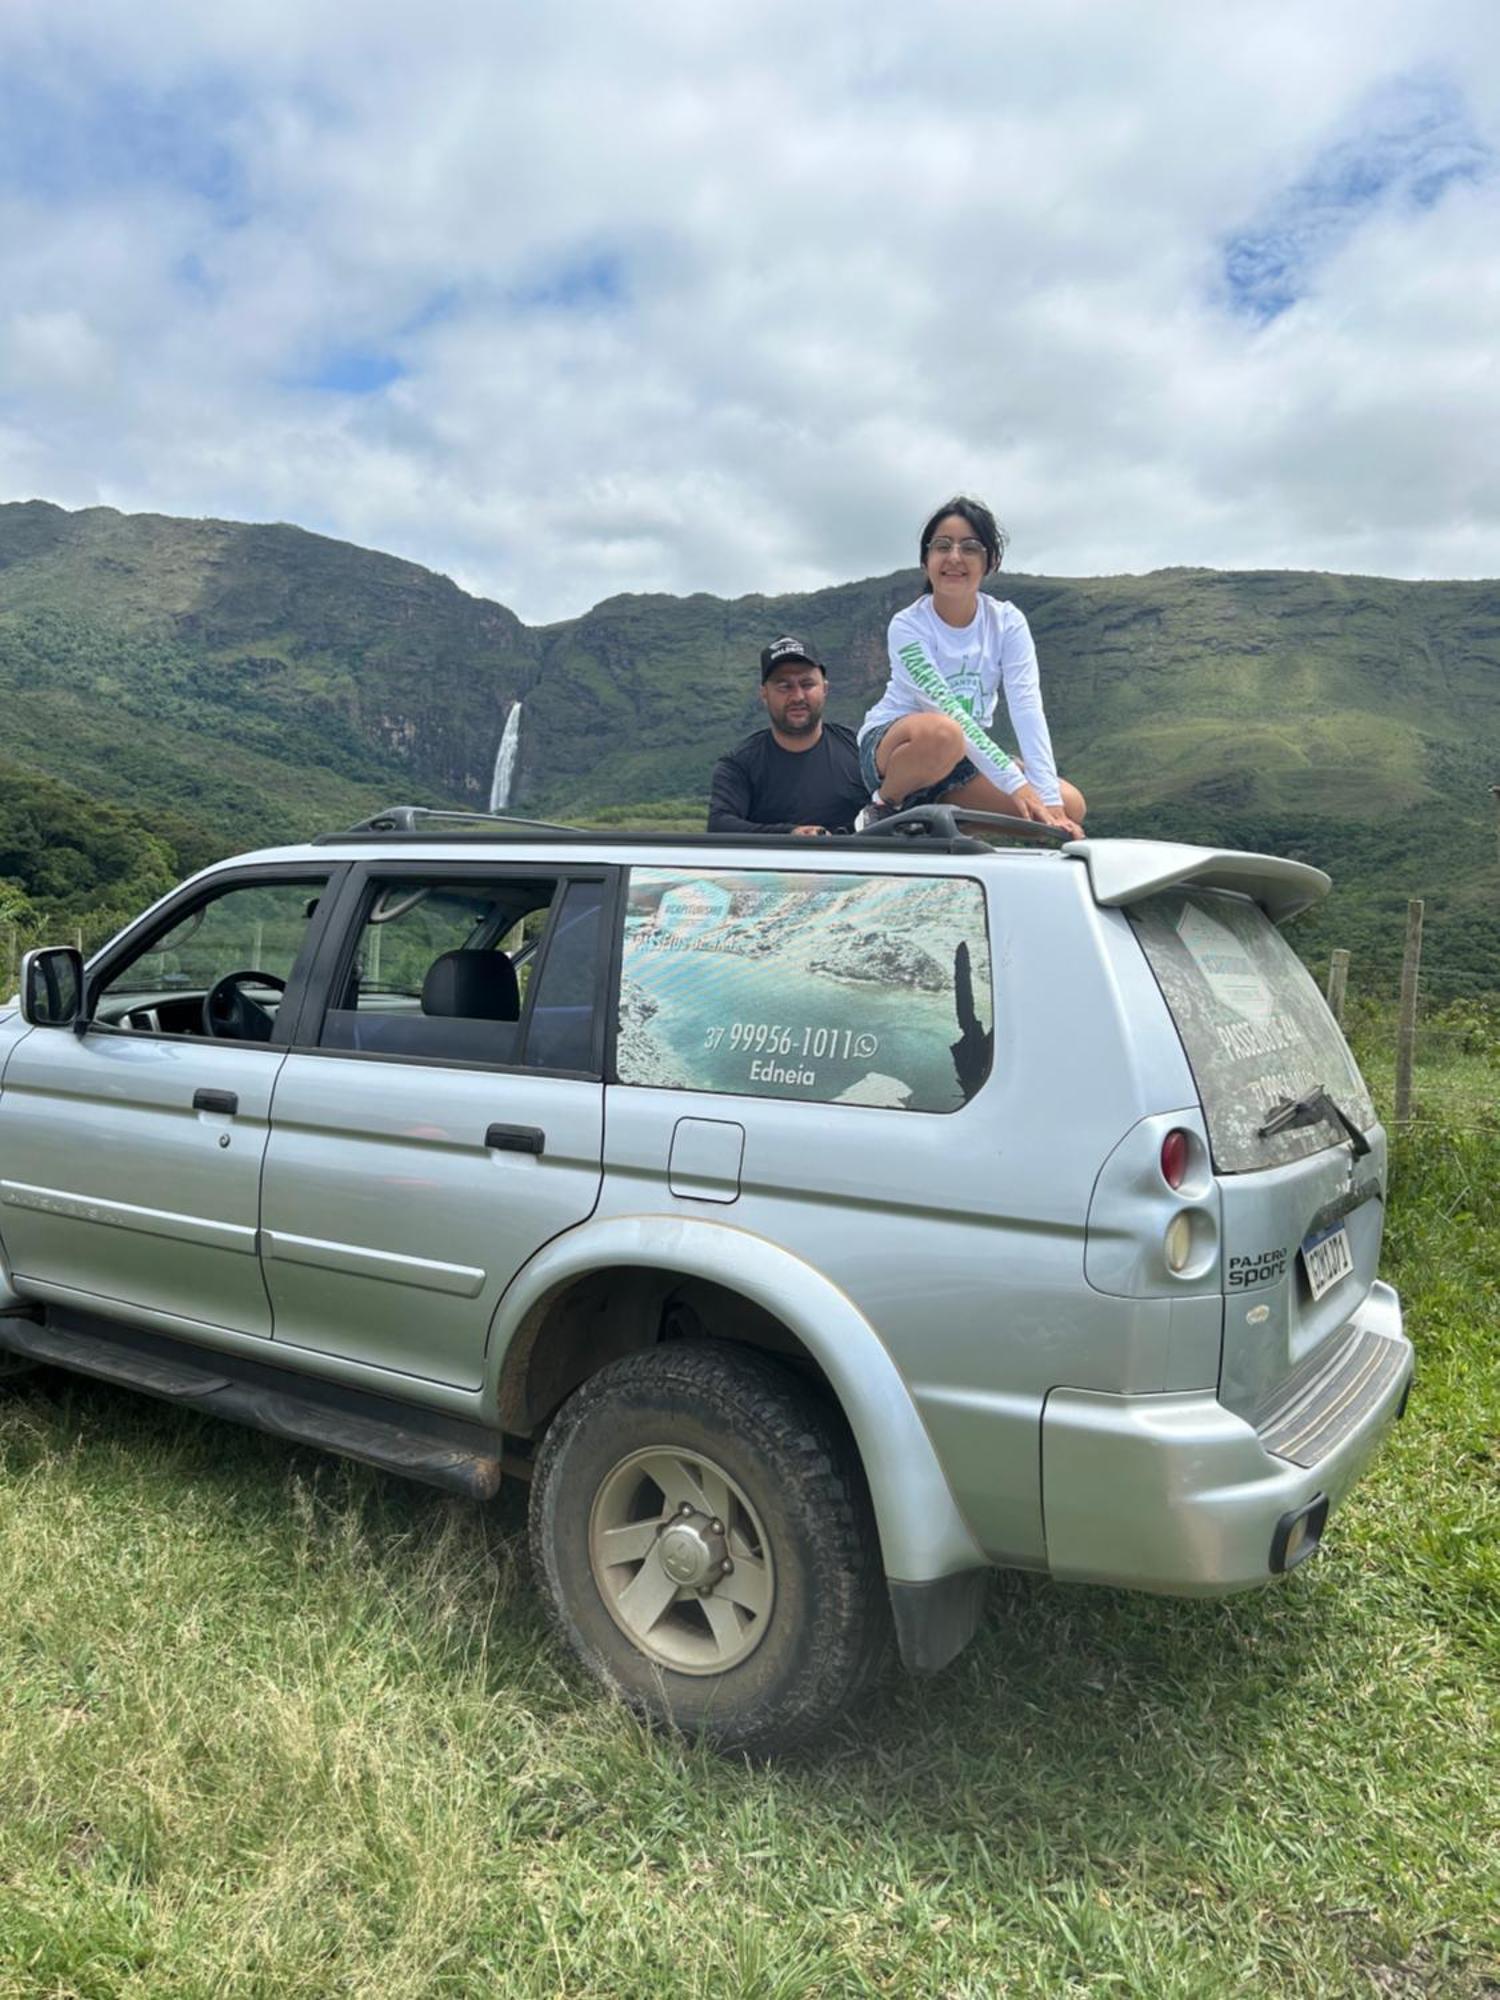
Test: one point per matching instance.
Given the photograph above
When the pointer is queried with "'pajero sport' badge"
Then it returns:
(1262, 1267)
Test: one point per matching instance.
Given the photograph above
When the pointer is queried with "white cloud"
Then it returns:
(689, 298)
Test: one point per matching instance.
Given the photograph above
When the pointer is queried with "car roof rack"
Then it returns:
(412, 819)
(948, 822)
(951, 828)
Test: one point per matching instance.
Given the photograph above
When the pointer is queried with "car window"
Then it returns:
(442, 972)
(406, 926)
(1253, 1024)
(564, 1006)
(839, 989)
(256, 930)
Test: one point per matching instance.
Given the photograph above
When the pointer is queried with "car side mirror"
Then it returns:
(52, 988)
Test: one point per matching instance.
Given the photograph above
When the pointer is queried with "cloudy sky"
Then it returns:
(570, 300)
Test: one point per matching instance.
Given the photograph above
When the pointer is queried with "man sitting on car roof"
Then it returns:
(802, 774)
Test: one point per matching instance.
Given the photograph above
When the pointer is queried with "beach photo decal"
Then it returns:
(840, 989)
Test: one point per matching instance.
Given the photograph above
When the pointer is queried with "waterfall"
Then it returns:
(505, 760)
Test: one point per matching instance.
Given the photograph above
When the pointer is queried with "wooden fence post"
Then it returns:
(1338, 979)
(1406, 1031)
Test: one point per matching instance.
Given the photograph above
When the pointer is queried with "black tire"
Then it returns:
(798, 1530)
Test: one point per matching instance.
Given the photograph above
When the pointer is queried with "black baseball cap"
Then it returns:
(788, 648)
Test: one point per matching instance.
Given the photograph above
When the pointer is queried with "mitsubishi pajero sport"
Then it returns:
(814, 1224)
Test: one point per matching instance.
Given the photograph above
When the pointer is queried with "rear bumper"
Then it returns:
(1175, 1493)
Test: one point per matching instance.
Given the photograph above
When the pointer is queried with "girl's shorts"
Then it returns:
(929, 795)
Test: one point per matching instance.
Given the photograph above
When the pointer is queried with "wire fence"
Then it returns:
(1428, 1063)
(1455, 1081)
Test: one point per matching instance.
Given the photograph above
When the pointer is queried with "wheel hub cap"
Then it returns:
(691, 1553)
(681, 1560)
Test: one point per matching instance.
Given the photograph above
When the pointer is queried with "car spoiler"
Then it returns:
(1123, 871)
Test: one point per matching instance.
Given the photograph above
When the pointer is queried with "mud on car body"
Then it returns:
(815, 1226)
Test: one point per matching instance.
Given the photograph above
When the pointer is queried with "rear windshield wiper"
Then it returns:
(1314, 1109)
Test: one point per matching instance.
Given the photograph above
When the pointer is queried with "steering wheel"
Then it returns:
(230, 1013)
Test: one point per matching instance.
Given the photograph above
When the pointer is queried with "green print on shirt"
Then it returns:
(931, 682)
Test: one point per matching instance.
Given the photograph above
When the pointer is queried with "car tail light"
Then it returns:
(1174, 1158)
(1177, 1245)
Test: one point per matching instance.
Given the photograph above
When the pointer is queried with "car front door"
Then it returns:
(442, 1116)
(131, 1153)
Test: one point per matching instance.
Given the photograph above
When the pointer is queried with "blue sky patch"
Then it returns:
(594, 282)
(64, 143)
(1411, 141)
(192, 275)
(355, 371)
(584, 284)
(437, 307)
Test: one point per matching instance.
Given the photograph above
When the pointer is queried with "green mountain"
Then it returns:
(173, 688)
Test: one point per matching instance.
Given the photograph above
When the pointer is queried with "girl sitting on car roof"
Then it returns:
(951, 652)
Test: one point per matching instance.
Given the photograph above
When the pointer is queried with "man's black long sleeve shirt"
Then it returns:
(761, 788)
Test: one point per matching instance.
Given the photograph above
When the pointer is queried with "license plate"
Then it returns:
(1326, 1259)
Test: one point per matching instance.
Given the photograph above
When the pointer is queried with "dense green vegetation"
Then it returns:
(1376, 865)
(67, 859)
(231, 686)
(279, 1727)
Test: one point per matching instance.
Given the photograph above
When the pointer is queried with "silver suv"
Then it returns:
(815, 1225)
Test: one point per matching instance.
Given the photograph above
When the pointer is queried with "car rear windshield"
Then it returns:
(1254, 1025)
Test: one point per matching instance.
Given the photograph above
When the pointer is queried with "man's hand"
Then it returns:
(809, 832)
(1026, 802)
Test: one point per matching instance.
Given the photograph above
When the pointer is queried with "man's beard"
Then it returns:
(805, 727)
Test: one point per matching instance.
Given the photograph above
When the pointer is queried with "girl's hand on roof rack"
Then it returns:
(1055, 816)
(1026, 802)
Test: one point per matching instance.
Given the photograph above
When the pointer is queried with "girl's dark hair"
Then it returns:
(980, 519)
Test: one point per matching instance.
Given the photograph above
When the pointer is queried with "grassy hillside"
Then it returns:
(247, 683)
(243, 670)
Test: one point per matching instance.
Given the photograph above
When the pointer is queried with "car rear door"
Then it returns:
(417, 1159)
(1301, 1194)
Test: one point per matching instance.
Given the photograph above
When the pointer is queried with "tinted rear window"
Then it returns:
(1252, 1021)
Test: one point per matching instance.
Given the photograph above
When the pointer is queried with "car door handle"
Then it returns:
(216, 1100)
(515, 1138)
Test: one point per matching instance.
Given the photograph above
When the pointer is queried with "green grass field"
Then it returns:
(277, 1726)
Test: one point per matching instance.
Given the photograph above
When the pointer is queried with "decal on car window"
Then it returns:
(840, 989)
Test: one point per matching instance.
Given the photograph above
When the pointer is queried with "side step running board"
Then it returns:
(375, 1440)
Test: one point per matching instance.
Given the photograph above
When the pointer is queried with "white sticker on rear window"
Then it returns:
(1225, 964)
(1252, 1022)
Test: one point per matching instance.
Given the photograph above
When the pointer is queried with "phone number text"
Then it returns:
(775, 1038)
